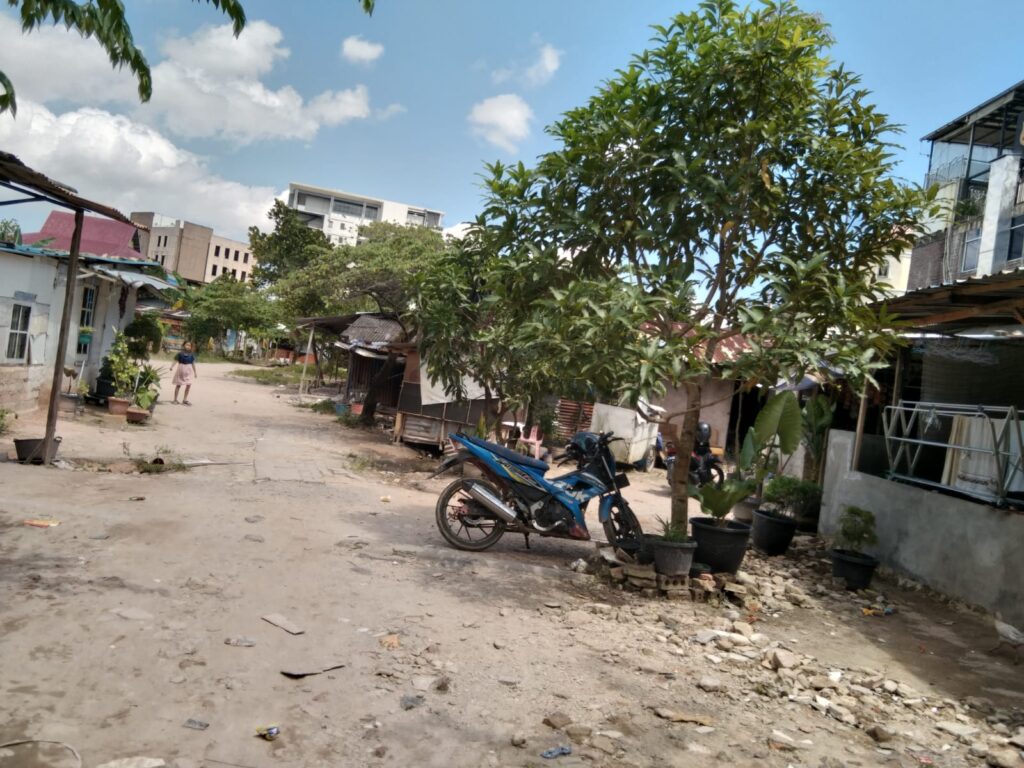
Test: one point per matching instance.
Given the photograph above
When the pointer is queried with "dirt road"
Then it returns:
(113, 624)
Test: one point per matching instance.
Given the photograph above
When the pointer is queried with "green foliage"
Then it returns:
(105, 21)
(121, 366)
(673, 532)
(777, 427)
(856, 529)
(322, 406)
(718, 502)
(816, 420)
(229, 304)
(147, 388)
(799, 498)
(378, 274)
(350, 420)
(289, 246)
(144, 334)
(4, 416)
(10, 229)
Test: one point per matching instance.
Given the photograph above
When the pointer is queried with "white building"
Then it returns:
(340, 214)
(229, 257)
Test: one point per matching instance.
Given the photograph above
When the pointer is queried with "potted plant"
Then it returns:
(722, 543)
(673, 551)
(856, 530)
(147, 390)
(85, 334)
(773, 529)
(123, 372)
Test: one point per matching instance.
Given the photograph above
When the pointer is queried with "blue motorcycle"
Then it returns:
(514, 496)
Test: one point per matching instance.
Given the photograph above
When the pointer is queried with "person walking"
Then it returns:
(185, 375)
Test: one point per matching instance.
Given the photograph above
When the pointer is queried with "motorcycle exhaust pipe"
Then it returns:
(501, 510)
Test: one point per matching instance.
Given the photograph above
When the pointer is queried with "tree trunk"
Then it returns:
(376, 389)
(684, 447)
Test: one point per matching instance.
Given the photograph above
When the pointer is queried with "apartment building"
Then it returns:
(340, 214)
(192, 250)
(229, 257)
(975, 160)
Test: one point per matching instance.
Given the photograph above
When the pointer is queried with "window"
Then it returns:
(236, 255)
(17, 339)
(213, 270)
(1016, 239)
(243, 277)
(372, 213)
(245, 258)
(972, 247)
(883, 270)
(433, 219)
(163, 259)
(348, 208)
(415, 218)
(234, 273)
(86, 315)
(216, 250)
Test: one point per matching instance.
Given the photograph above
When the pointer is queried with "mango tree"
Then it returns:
(731, 183)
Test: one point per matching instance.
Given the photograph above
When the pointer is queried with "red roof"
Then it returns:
(100, 236)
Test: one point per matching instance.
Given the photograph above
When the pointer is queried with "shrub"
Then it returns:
(799, 498)
(856, 529)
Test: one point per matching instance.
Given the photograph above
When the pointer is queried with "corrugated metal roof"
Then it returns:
(370, 329)
(100, 237)
(967, 303)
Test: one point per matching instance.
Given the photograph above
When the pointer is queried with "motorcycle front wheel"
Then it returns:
(463, 522)
(622, 529)
(716, 476)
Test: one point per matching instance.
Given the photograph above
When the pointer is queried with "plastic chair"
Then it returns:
(534, 441)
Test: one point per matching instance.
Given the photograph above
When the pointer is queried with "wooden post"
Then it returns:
(305, 360)
(897, 382)
(858, 438)
(62, 337)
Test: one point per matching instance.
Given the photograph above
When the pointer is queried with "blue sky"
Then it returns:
(233, 121)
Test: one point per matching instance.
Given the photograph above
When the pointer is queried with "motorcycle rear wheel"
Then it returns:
(622, 529)
(462, 522)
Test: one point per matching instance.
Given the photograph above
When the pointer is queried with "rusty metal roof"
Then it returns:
(372, 329)
(969, 303)
(17, 176)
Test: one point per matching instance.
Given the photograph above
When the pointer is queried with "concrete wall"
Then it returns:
(717, 414)
(966, 550)
(192, 251)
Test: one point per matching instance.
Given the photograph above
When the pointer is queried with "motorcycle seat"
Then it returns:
(506, 453)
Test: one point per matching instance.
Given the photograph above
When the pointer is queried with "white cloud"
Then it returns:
(549, 59)
(114, 160)
(532, 75)
(359, 51)
(209, 85)
(502, 120)
(391, 110)
(50, 63)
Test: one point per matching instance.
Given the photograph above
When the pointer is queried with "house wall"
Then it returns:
(40, 283)
(221, 256)
(966, 550)
(28, 282)
(715, 413)
(925, 269)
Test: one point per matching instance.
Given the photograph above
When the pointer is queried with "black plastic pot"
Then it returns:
(855, 568)
(673, 558)
(645, 551)
(772, 532)
(721, 548)
(30, 450)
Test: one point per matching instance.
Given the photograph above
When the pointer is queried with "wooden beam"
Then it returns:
(1008, 307)
(62, 337)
